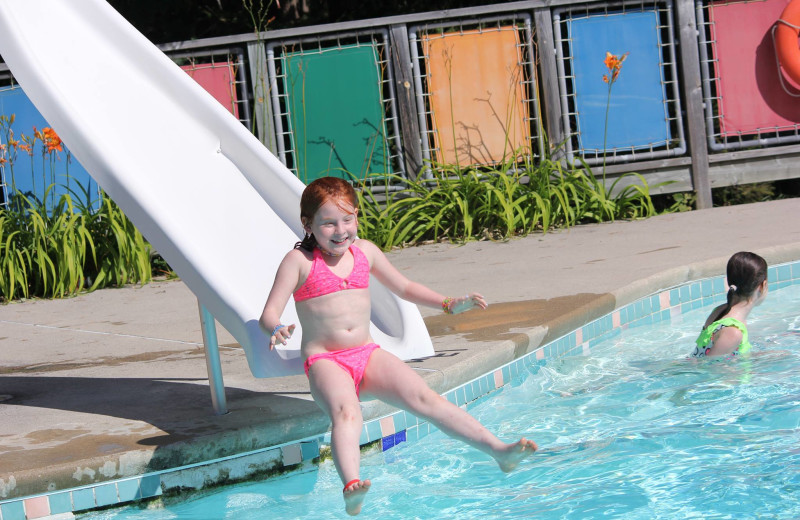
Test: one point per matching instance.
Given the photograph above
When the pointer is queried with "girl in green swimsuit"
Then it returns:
(725, 330)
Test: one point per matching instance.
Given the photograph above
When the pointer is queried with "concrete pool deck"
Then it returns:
(114, 383)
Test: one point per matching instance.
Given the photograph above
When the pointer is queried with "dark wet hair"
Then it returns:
(745, 272)
(318, 193)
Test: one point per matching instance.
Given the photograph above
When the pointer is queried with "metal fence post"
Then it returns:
(213, 364)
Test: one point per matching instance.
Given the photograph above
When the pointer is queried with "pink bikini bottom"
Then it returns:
(352, 360)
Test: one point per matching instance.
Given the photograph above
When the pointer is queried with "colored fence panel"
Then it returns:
(31, 172)
(334, 105)
(750, 98)
(638, 116)
(219, 80)
(636, 107)
(476, 95)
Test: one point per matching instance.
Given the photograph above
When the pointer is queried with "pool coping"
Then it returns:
(662, 296)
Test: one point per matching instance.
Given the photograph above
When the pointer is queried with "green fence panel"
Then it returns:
(336, 113)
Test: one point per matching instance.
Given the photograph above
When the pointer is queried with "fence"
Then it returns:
(485, 85)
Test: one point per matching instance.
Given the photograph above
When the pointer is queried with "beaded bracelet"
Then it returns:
(278, 327)
(446, 305)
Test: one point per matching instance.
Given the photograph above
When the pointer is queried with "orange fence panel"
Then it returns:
(476, 95)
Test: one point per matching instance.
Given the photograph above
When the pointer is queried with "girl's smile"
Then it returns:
(335, 227)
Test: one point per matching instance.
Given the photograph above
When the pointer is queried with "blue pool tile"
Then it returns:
(309, 450)
(707, 288)
(685, 293)
(150, 486)
(412, 434)
(461, 393)
(374, 430)
(795, 270)
(128, 490)
(772, 274)
(364, 438)
(12, 511)
(708, 300)
(106, 495)
(784, 273)
(674, 297)
(387, 442)
(399, 437)
(719, 285)
(411, 419)
(61, 503)
(399, 421)
(476, 388)
(469, 393)
(82, 499)
(665, 315)
(506, 373)
(695, 290)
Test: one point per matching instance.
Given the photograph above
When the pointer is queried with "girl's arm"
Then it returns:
(286, 280)
(415, 292)
(725, 341)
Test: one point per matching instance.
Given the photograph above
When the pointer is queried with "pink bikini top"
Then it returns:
(322, 281)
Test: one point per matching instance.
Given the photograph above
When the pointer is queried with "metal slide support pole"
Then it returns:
(213, 364)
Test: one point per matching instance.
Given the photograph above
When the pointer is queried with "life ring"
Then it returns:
(787, 31)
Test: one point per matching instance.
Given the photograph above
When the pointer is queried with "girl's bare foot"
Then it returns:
(512, 454)
(354, 495)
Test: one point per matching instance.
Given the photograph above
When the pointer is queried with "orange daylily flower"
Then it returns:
(614, 65)
(25, 148)
(3, 161)
(51, 140)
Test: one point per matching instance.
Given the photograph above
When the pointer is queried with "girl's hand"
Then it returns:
(280, 335)
(466, 302)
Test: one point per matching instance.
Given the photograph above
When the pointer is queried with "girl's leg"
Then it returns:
(389, 379)
(333, 390)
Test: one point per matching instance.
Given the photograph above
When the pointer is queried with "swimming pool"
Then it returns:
(633, 430)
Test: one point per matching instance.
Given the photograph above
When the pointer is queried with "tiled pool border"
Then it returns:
(384, 432)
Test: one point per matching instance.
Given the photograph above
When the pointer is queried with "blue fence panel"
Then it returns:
(637, 115)
(32, 174)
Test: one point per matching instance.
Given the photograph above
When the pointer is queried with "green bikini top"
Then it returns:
(705, 337)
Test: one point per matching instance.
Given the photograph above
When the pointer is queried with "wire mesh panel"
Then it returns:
(222, 74)
(35, 163)
(638, 115)
(748, 100)
(476, 90)
(333, 104)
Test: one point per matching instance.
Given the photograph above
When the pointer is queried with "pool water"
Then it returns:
(636, 430)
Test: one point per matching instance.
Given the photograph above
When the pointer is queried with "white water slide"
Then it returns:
(218, 206)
